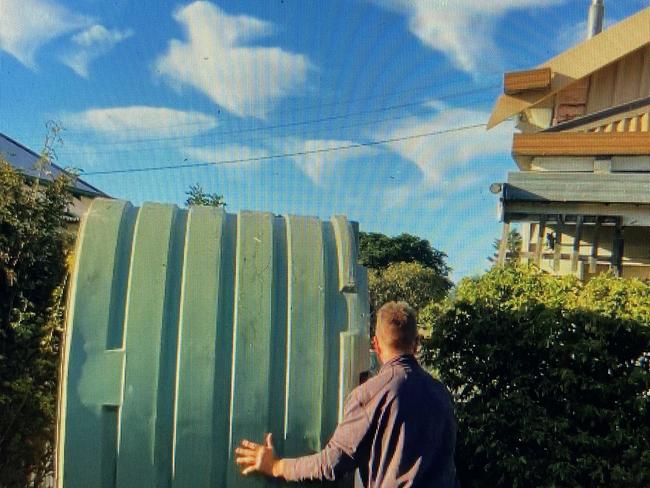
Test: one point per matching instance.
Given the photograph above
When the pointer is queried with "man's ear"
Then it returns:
(376, 346)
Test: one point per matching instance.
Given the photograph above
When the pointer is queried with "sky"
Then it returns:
(374, 109)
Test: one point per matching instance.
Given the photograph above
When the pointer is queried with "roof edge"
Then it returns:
(79, 191)
(580, 61)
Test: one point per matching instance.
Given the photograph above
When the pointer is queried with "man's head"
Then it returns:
(396, 332)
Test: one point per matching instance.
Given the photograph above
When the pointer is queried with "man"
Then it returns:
(398, 428)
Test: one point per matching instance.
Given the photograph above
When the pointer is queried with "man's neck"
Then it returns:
(393, 355)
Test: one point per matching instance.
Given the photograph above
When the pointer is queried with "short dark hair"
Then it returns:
(397, 325)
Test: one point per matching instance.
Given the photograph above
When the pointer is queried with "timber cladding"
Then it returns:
(581, 144)
(610, 86)
(534, 79)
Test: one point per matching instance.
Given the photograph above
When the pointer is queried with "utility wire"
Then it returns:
(312, 132)
(298, 123)
(285, 155)
(349, 101)
(302, 122)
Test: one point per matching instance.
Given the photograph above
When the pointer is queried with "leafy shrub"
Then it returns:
(33, 243)
(551, 378)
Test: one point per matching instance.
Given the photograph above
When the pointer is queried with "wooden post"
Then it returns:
(540, 241)
(617, 249)
(524, 255)
(593, 260)
(557, 254)
(503, 245)
(575, 254)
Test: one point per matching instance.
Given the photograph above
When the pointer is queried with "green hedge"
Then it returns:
(551, 378)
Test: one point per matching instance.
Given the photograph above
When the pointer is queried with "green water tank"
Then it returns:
(189, 330)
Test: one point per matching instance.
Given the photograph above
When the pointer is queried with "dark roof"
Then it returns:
(24, 159)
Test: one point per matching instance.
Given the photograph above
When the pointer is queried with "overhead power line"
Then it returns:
(302, 108)
(312, 132)
(284, 155)
(296, 123)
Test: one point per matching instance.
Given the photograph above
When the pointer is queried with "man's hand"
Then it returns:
(252, 457)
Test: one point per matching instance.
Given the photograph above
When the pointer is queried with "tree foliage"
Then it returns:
(551, 378)
(513, 247)
(196, 195)
(377, 251)
(33, 244)
(404, 267)
(410, 282)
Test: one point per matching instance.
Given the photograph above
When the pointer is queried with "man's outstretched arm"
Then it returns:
(339, 456)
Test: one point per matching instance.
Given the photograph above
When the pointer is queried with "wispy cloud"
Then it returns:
(396, 196)
(26, 25)
(321, 163)
(461, 29)
(436, 156)
(317, 166)
(445, 160)
(124, 123)
(214, 59)
(90, 44)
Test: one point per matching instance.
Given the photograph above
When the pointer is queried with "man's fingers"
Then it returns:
(245, 460)
(246, 452)
(269, 440)
(249, 444)
(248, 470)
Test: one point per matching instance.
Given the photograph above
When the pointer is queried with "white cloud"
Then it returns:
(317, 166)
(436, 155)
(462, 181)
(462, 29)
(245, 80)
(396, 196)
(444, 160)
(133, 122)
(92, 43)
(26, 25)
(452, 186)
(98, 34)
(229, 152)
(320, 164)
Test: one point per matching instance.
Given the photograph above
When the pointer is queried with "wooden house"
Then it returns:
(582, 192)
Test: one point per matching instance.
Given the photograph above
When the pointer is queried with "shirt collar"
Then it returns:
(401, 359)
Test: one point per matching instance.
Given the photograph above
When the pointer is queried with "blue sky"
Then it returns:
(147, 84)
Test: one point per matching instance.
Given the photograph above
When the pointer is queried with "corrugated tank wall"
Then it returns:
(189, 330)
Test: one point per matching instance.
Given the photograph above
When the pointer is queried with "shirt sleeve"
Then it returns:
(339, 455)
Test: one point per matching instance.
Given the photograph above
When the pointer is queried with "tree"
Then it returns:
(378, 251)
(34, 242)
(197, 196)
(409, 282)
(513, 247)
(550, 376)
(404, 267)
